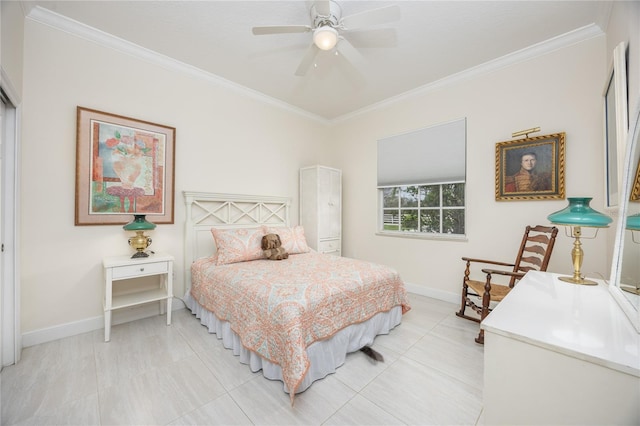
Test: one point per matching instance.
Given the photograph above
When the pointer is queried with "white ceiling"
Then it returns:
(432, 40)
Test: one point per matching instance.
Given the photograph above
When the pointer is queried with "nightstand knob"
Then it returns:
(141, 269)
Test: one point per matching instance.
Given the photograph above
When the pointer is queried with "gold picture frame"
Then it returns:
(530, 168)
(635, 187)
(124, 166)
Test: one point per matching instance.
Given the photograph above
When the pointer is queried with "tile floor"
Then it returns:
(152, 374)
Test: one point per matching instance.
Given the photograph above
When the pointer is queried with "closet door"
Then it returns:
(320, 208)
(329, 201)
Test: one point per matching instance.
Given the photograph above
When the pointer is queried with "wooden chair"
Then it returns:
(534, 254)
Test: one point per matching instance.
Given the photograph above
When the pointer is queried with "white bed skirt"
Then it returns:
(324, 356)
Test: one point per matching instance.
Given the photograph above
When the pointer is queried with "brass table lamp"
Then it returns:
(140, 242)
(576, 215)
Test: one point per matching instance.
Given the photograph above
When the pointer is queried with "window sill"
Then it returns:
(423, 236)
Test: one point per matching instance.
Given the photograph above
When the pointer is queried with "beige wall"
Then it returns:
(560, 92)
(225, 142)
(11, 44)
(624, 26)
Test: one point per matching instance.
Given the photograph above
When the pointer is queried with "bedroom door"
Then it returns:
(10, 338)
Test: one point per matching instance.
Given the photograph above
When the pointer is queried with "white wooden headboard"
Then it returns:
(211, 210)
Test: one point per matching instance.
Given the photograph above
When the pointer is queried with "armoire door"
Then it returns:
(329, 200)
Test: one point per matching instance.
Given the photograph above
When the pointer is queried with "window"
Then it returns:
(435, 209)
(421, 181)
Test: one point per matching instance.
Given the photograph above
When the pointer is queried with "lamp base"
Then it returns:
(630, 289)
(139, 242)
(580, 281)
(140, 254)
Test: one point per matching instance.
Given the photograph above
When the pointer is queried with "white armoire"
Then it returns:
(321, 208)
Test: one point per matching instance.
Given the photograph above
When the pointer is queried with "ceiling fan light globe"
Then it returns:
(325, 37)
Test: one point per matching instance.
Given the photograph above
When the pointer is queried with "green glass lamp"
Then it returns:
(140, 242)
(633, 225)
(633, 222)
(576, 215)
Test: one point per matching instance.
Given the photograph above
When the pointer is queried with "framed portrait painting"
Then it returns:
(124, 166)
(530, 168)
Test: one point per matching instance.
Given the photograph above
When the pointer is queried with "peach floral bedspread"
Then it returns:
(279, 308)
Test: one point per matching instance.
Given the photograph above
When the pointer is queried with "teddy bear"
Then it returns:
(272, 247)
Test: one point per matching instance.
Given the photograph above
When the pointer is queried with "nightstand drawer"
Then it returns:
(140, 270)
(329, 246)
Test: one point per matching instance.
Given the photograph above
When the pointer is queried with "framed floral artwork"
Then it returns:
(124, 166)
(531, 168)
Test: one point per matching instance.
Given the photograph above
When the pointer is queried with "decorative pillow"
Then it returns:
(293, 239)
(238, 245)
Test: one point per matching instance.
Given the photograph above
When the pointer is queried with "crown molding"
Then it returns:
(104, 39)
(60, 22)
(560, 42)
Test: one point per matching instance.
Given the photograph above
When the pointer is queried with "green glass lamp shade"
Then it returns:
(578, 213)
(139, 223)
(633, 222)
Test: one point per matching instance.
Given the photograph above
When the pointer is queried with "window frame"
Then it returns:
(419, 234)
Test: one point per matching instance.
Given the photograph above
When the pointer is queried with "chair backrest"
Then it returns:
(535, 250)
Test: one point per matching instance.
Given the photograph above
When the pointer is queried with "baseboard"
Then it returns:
(433, 293)
(49, 334)
(120, 316)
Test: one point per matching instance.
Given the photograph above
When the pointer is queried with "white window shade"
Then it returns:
(434, 154)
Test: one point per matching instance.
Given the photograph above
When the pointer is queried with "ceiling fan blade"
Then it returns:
(367, 18)
(323, 7)
(281, 29)
(350, 53)
(307, 60)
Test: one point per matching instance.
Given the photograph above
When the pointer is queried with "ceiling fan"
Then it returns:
(327, 25)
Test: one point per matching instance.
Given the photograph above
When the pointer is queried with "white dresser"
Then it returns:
(560, 353)
(321, 208)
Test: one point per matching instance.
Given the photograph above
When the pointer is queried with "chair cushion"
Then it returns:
(498, 291)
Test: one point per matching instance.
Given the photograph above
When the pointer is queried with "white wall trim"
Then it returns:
(78, 29)
(433, 293)
(87, 325)
(70, 26)
(562, 41)
(8, 88)
(61, 331)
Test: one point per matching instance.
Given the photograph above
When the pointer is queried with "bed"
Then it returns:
(295, 319)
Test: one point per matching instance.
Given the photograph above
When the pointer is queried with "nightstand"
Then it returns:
(124, 268)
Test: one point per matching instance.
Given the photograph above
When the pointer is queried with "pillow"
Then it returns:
(238, 245)
(293, 239)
